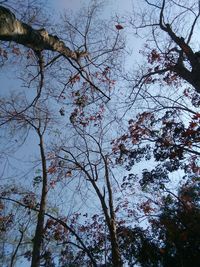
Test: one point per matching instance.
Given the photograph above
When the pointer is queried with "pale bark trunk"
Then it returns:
(116, 257)
(38, 238)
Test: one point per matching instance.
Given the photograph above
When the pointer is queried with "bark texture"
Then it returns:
(12, 29)
(38, 238)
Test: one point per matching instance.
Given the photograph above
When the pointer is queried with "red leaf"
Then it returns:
(16, 51)
(193, 124)
(52, 170)
(68, 173)
(196, 116)
(52, 183)
(119, 27)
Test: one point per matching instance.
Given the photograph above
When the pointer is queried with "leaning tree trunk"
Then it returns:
(12, 29)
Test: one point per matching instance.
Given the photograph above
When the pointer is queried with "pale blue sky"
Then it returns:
(113, 6)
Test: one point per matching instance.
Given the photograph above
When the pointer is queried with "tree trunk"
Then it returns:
(38, 238)
(116, 257)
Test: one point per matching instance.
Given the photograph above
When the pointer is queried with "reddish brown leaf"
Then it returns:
(119, 27)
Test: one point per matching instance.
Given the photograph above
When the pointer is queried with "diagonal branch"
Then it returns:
(64, 224)
(12, 29)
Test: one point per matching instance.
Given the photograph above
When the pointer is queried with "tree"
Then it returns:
(176, 57)
(166, 134)
(38, 120)
(94, 164)
(94, 76)
(168, 129)
(174, 240)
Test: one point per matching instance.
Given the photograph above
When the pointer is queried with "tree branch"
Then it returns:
(12, 29)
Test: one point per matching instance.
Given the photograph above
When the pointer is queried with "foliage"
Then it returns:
(174, 236)
(101, 149)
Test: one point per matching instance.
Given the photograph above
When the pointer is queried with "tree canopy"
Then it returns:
(99, 146)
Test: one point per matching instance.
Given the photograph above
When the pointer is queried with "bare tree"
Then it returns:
(89, 160)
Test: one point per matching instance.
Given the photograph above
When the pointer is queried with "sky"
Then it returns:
(114, 6)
